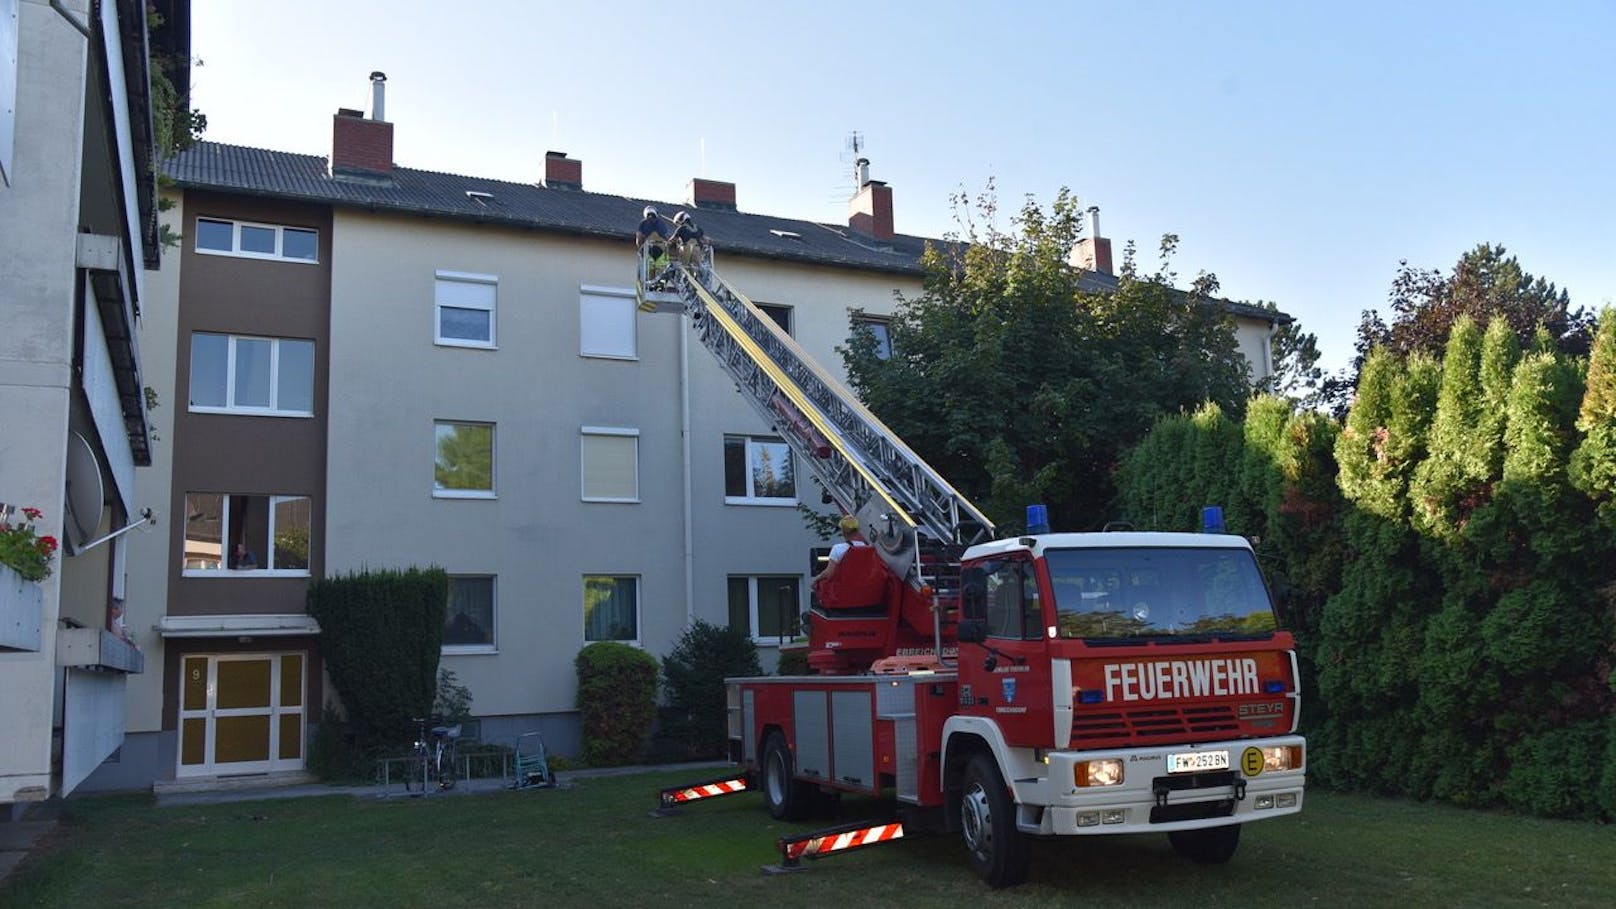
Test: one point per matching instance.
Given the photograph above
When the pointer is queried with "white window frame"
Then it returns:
(493, 645)
(224, 570)
(493, 462)
(639, 606)
(465, 277)
(627, 297)
(885, 322)
(770, 501)
(230, 407)
(235, 250)
(752, 596)
(618, 431)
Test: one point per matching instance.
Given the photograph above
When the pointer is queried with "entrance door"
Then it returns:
(241, 713)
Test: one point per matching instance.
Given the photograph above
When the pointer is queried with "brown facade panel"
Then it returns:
(254, 456)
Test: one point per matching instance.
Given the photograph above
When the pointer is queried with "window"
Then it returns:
(464, 466)
(878, 329)
(469, 626)
(780, 314)
(246, 534)
(757, 471)
(607, 324)
(262, 376)
(611, 608)
(1013, 609)
(611, 464)
(769, 607)
(465, 309)
(218, 237)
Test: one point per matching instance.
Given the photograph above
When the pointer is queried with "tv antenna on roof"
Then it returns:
(851, 153)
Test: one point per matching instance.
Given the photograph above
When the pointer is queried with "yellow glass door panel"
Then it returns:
(243, 684)
(240, 738)
(194, 742)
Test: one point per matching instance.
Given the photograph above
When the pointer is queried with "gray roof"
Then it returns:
(307, 178)
(259, 172)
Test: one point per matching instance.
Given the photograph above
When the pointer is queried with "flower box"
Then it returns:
(22, 610)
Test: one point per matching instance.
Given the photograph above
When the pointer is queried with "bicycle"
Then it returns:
(433, 756)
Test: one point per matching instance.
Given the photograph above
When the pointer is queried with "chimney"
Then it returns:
(1093, 253)
(562, 172)
(713, 194)
(360, 147)
(869, 212)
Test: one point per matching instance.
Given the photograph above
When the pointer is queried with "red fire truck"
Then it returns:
(1046, 684)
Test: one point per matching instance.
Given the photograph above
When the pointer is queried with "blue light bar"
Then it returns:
(1037, 519)
(1091, 697)
(1212, 519)
(1274, 686)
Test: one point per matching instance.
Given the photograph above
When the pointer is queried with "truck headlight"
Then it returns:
(1283, 757)
(1107, 772)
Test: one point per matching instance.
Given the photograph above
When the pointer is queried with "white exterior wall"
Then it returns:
(390, 382)
(38, 219)
(148, 560)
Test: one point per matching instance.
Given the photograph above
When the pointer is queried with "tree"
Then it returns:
(1485, 282)
(1295, 355)
(1021, 386)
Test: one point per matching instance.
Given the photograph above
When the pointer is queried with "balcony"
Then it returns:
(22, 607)
(97, 648)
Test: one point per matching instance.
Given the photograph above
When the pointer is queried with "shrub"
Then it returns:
(793, 662)
(1555, 772)
(694, 672)
(381, 633)
(453, 700)
(617, 697)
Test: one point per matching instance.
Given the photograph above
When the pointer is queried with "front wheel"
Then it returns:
(1212, 845)
(999, 852)
(786, 798)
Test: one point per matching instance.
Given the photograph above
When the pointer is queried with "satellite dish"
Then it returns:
(86, 497)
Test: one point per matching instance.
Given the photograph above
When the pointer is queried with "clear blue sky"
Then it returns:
(1298, 149)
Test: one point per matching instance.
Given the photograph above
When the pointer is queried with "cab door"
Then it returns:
(1006, 674)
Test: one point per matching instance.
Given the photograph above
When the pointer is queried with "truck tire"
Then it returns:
(1212, 845)
(787, 798)
(999, 853)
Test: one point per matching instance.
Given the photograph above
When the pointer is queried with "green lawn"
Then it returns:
(595, 846)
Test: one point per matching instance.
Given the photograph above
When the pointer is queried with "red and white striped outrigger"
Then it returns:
(833, 840)
(675, 796)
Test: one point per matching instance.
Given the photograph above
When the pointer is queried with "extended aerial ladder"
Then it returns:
(915, 520)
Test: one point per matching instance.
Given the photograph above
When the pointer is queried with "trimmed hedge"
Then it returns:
(380, 634)
(617, 698)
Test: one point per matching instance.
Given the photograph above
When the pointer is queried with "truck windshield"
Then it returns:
(1128, 593)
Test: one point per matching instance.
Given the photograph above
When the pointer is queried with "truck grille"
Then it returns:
(1145, 724)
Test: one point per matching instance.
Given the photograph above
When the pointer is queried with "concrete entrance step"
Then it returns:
(234, 782)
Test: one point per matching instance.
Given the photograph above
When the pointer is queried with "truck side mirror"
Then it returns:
(973, 625)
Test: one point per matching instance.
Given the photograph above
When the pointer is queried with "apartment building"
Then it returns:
(374, 366)
(79, 226)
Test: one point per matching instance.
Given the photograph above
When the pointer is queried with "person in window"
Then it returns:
(652, 237)
(851, 537)
(690, 242)
(243, 559)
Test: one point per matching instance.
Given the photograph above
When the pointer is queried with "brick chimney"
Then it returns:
(1093, 252)
(715, 194)
(869, 212)
(360, 147)
(562, 172)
